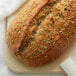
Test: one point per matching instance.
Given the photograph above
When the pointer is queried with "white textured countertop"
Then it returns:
(4, 71)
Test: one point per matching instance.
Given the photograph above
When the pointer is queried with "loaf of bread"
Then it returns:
(42, 31)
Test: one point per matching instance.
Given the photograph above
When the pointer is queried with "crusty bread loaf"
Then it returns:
(42, 31)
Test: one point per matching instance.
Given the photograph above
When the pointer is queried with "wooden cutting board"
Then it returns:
(18, 67)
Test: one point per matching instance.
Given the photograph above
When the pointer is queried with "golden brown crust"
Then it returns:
(62, 36)
(53, 36)
(21, 23)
